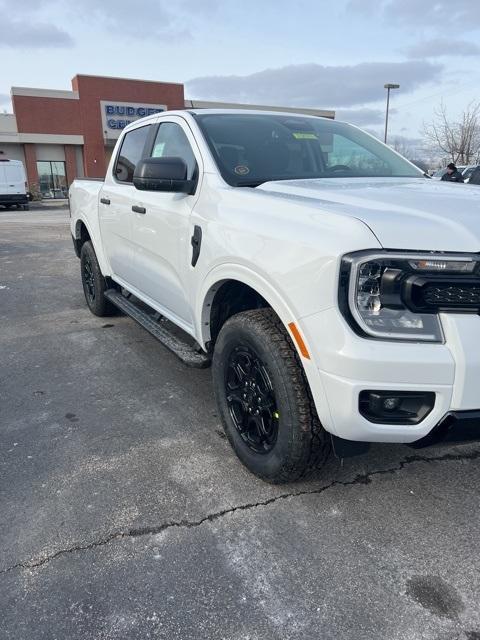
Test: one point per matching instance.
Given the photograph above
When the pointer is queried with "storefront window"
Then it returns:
(52, 179)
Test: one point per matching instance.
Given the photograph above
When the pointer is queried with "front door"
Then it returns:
(162, 234)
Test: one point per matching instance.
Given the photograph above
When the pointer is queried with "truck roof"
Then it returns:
(194, 112)
(252, 111)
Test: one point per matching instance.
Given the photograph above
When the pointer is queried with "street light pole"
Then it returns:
(388, 86)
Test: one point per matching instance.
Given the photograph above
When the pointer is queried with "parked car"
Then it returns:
(13, 184)
(467, 172)
(330, 285)
(475, 176)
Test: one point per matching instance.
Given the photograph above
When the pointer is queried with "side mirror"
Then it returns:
(163, 174)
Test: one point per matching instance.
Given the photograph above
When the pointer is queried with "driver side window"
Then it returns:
(130, 153)
(172, 142)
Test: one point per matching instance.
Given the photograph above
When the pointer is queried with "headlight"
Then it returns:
(376, 292)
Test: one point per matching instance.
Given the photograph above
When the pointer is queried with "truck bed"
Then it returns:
(85, 179)
(84, 197)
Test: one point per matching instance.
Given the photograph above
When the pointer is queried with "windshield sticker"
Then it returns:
(304, 135)
(158, 150)
(242, 170)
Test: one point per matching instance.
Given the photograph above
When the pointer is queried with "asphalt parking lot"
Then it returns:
(124, 514)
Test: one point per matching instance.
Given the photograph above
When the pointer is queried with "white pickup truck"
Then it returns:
(332, 286)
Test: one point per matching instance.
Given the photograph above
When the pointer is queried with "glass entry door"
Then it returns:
(52, 178)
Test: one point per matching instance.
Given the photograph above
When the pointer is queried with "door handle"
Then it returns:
(136, 209)
(104, 200)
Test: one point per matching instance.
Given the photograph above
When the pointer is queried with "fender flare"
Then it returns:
(105, 269)
(229, 271)
(245, 275)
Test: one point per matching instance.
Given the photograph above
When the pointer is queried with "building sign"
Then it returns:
(117, 115)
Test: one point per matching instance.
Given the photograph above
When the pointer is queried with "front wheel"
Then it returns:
(94, 285)
(268, 414)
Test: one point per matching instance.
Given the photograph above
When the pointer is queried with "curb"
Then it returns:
(46, 204)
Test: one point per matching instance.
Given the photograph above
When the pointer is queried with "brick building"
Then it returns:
(60, 135)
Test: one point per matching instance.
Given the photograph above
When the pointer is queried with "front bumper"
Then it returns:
(456, 426)
(346, 364)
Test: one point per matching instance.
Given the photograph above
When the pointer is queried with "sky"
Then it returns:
(332, 55)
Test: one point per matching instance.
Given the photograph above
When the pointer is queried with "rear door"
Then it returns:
(3, 179)
(115, 204)
(15, 178)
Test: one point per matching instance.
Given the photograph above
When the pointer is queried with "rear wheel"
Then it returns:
(264, 400)
(94, 285)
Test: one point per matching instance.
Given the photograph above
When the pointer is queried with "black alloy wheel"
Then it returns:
(94, 284)
(251, 399)
(263, 398)
(89, 281)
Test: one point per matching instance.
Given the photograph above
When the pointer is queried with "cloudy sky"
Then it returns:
(308, 53)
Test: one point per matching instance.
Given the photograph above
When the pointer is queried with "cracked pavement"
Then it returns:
(125, 514)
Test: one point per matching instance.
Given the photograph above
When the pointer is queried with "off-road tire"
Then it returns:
(302, 445)
(97, 303)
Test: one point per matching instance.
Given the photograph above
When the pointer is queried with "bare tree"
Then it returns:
(402, 146)
(411, 149)
(459, 140)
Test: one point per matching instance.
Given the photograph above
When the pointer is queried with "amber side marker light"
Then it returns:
(299, 340)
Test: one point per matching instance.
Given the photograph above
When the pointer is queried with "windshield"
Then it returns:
(253, 148)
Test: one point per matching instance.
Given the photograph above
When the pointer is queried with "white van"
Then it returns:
(13, 184)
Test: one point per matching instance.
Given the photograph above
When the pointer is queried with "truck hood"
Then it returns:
(403, 213)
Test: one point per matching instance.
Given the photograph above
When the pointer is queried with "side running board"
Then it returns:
(186, 352)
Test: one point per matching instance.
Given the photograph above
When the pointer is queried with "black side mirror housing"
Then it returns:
(163, 174)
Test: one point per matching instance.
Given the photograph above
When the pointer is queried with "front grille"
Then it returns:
(452, 295)
(432, 294)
